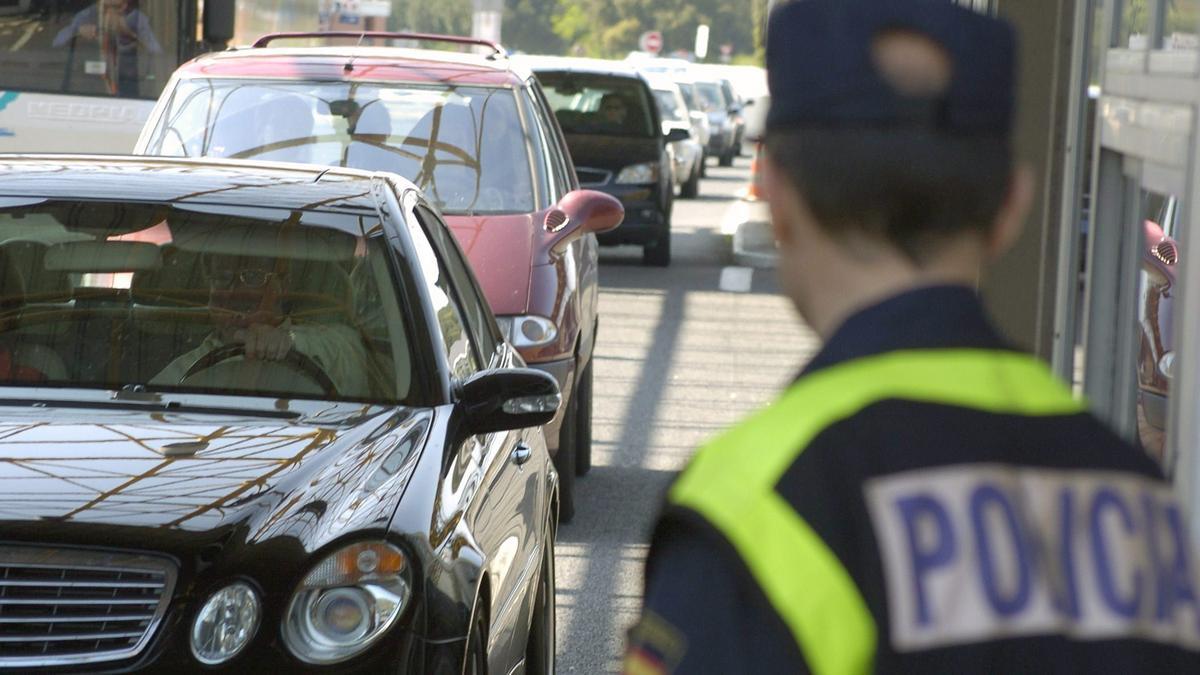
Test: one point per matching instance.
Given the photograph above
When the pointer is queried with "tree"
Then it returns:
(529, 27)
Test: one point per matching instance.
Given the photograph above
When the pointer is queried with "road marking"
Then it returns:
(737, 279)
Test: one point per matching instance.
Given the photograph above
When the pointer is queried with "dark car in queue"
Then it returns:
(473, 131)
(259, 417)
(612, 125)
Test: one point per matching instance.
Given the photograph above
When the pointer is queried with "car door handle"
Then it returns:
(521, 454)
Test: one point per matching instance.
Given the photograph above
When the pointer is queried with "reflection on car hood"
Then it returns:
(612, 153)
(500, 250)
(63, 471)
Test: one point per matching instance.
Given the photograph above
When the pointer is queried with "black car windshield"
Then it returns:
(599, 104)
(200, 299)
(669, 105)
(465, 147)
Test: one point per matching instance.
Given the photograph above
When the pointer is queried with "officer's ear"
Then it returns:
(1010, 219)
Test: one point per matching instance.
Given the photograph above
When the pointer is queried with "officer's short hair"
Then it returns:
(911, 188)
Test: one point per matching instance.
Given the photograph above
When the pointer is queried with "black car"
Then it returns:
(611, 122)
(259, 417)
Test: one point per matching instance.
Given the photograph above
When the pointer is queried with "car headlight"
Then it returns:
(528, 331)
(347, 602)
(639, 173)
(225, 624)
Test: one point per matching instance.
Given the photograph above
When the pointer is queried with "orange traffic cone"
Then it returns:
(754, 191)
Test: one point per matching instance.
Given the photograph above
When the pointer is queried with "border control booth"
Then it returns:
(1129, 334)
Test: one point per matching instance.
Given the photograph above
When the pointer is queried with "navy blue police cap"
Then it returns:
(822, 73)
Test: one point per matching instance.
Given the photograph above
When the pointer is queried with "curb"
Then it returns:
(754, 245)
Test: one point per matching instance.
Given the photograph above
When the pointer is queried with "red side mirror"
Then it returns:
(579, 212)
(599, 212)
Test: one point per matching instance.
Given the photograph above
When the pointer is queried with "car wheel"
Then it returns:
(540, 650)
(727, 158)
(476, 661)
(564, 462)
(658, 254)
(691, 187)
(704, 164)
(583, 421)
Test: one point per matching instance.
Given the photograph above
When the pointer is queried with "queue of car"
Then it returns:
(316, 367)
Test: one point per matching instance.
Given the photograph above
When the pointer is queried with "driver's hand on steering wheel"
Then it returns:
(266, 343)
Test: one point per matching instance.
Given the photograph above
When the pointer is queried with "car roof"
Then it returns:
(379, 64)
(189, 181)
(572, 64)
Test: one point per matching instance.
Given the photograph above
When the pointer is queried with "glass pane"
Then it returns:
(100, 296)
(1181, 25)
(1134, 29)
(670, 106)
(597, 104)
(1156, 310)
(465, 147)
(123, 48)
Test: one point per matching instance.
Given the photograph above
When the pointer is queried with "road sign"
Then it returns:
(701, 41)
(651, 42)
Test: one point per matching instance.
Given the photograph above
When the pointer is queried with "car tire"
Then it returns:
(583, 421)
(564, 462)
(475, 659)
(658, 254)
(540, 650)
(727, 158)
(691, 187)
(704, 164)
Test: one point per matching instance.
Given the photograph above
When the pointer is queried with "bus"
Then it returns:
(83, 75)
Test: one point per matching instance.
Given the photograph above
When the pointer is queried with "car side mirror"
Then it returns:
(580, 212)
(507, 399)
(218, 21)
(677, 134)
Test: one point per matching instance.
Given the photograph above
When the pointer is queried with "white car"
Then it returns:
(686, 155)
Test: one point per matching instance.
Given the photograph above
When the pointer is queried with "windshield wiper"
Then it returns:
(136, 397)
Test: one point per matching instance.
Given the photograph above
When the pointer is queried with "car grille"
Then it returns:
(65, 606)
(592, 177)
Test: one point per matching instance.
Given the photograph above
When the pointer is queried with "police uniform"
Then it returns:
(923, 498)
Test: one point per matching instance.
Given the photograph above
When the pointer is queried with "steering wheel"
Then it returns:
(296, 360)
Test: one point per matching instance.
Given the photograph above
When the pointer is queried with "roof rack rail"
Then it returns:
(497, 50)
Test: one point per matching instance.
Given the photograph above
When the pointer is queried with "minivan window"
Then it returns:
(669, 106)
(599, 104)
(464, 146)
(200, 299)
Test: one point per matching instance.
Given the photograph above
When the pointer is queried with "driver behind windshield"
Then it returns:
(249, 300)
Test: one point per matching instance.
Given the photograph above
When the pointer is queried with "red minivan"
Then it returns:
(473, 131)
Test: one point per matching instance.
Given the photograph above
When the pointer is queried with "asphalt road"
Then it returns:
(683, 352)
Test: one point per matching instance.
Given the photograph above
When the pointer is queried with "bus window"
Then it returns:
(115, 48)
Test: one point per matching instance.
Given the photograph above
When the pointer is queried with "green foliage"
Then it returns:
(602, 28)
(529, 26)
(452, 17)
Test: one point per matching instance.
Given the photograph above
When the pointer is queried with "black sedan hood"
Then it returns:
(176, 480)
(612, 153)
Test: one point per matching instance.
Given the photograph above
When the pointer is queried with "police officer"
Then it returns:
(924, 497)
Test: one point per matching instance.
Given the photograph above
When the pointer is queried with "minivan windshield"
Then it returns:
(108, 295)
(599, 104)
(465, 147)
